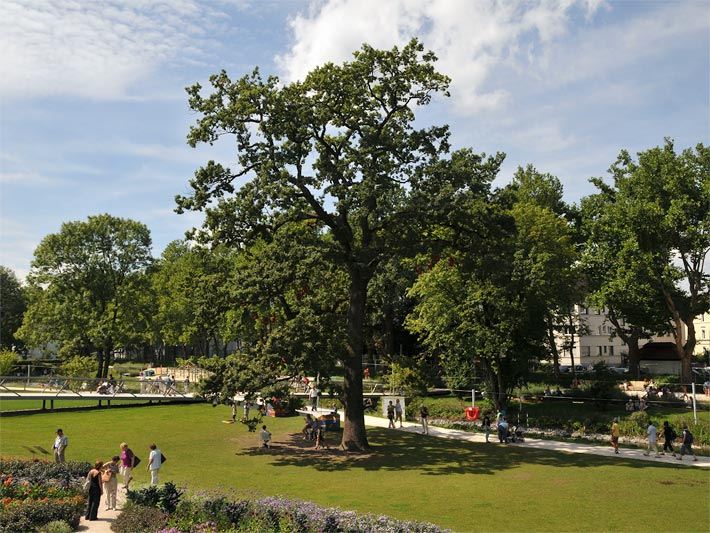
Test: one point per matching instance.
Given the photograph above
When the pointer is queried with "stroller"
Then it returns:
(518, 434)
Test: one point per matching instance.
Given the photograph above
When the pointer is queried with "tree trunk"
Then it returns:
(100, 358)
(572, 330)
(553, 347)
(107, 360)
(686, 356)
(354, 435)
(634, 357)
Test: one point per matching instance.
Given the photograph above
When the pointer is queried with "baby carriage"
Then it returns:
(518, 434)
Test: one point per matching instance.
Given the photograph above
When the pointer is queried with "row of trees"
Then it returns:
(347, 229)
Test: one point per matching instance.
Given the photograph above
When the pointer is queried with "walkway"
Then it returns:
(552, 445)
(106, 518)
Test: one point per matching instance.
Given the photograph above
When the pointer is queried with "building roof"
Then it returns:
(658, 351)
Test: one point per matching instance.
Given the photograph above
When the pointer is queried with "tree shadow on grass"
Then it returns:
(398, 451)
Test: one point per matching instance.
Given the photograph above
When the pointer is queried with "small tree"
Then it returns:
(8, 360)
(79, 366)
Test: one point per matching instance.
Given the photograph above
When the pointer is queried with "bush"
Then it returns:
(165, 498)
(79, 366)
(136, 518)
(36, 471)
(8, 359)
(56, 526)
(635, 424)
(30, 515)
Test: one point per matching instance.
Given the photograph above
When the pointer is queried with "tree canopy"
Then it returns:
(86, 285)
(12, 307)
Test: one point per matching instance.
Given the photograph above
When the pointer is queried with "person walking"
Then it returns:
(313, 395)
(109, 478)
(60, 445)
(503, 430)
(95, 491)
(487, 426)
(127, 464)
(265, 437)
(155, 461)
(424, 416)
(398, 412)
(652, 435)
(686, 448)
(390, 415)
(615, 435)
(669, 435)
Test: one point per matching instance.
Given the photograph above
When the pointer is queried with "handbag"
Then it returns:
(162, 458)
(87, 483)
(136, 461)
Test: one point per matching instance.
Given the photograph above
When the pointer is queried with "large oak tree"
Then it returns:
(339, 148)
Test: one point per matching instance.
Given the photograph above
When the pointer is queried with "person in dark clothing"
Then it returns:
(669, 435)
(95, 491)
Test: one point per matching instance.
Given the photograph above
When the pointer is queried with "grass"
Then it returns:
(463, 486)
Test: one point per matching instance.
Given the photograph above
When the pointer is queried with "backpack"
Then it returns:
(688, 437)
(672, 435)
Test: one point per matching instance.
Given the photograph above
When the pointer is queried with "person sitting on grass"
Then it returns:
(265, 437)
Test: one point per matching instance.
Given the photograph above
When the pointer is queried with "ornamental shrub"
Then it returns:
(139, 519)
(30, 515)
(165, 498)
(39, 471)
(56, 526)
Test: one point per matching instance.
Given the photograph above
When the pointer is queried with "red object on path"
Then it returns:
(472, 413)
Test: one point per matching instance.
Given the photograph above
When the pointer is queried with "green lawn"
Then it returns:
(463, 486)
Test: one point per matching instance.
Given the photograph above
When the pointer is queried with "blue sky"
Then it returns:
(94, 116)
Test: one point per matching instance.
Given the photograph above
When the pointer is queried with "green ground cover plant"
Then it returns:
(457, 485)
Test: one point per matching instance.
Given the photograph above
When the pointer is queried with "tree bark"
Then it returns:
(553, 347)
(354, 435)
(100, 366)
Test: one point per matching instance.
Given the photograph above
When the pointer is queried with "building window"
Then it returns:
(611, 350)
(604, 349)
(600, 330)
(586, 351)
(702, 331)
(600, 350)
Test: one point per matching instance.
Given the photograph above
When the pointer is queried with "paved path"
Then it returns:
(106, 518)
(552, 445)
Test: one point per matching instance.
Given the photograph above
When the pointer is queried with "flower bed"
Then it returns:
(34, 493)
(213, 514)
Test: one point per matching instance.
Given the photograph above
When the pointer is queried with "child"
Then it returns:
(265, 437)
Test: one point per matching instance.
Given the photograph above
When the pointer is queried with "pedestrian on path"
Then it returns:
(109, 478)
(424, 416)
(94, 481)
(652, 435)
(615, 435)
(313, 395)
(127, 464)
(390, 415)
(487, 426)
(669, 435)
(686, 447)
(155, 461)
(503, 430)
(60, 444)
(398, 412)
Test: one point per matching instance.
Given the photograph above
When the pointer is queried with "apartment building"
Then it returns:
(594, 340)
(702, 334)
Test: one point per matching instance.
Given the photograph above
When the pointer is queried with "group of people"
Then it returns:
(636, 404)
(314, 430)
(102, 479)
(394, 414)
(669, 437)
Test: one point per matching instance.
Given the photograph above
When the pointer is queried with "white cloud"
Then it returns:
(98, 49)
(470, 38)
(30, 179)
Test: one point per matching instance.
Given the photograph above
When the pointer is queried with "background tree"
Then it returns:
(618, 277)
(487, 295)
(338, 148)
(85, 283)
(661, 203)
(12, 307)
(191, 284)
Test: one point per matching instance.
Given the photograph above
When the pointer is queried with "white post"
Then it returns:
(473, 397)
(28, 375)
(695, 410)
